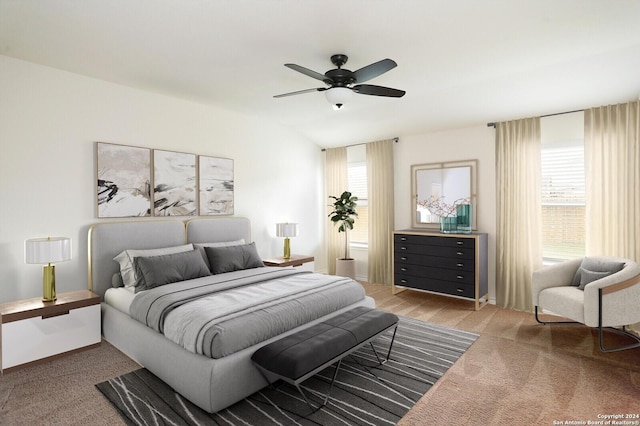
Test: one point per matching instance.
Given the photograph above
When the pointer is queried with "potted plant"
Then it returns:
(343, 215)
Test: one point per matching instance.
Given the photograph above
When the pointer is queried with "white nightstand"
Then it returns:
(32, 330)
(305, 263)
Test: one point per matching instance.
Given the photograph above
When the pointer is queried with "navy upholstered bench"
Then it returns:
(298, 356)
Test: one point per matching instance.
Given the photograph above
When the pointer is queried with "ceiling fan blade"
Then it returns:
(374, 70)
(299, 92)
(368, 89)
(310, 73)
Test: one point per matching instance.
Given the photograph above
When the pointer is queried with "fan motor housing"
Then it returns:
(341, 77)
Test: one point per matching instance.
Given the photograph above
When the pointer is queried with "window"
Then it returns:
(563, 187)
(357, 178)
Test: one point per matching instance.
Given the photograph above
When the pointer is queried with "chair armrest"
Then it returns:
(620, 298)
(556, 275)
(612, 288)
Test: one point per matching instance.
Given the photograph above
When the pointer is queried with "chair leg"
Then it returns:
(601, 329)
(553, 322)
(624, 332)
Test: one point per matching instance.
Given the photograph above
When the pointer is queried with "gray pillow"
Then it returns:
(233, 258)
(155, 271)
(201, 246)
(596, 265)
(125, 260)
(587, 276)
(116, 280)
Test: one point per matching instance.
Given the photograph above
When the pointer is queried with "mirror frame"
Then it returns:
(473, 192)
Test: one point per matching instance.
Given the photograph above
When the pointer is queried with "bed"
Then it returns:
(216, 378)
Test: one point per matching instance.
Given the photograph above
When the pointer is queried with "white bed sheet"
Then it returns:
(120, 298)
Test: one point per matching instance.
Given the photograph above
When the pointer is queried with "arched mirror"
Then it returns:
(438, 187)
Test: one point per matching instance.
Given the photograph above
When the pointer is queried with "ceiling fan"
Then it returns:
(342, 83)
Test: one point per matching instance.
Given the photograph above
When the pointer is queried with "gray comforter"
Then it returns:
(221, 314)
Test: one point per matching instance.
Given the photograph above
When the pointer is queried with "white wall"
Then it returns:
(49, 123)
(455, 145)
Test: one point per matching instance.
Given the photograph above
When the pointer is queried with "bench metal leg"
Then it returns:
(326, 397)
(380, 361)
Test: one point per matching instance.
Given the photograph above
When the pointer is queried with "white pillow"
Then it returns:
(125, 259)
(201, 246)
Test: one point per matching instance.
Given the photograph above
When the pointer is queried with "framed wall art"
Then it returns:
(216, 185)
(123, 180)
(174, 184)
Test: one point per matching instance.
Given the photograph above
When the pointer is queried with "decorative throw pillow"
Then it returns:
(155, 271)
(116, 280)
(201, 246)
(587, 276)
(596, 265)
(125, 259)
(233, 258)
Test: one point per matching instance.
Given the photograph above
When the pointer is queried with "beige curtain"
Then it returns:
(381, 209)
(612, 169)
(519, 236)
(336, 183)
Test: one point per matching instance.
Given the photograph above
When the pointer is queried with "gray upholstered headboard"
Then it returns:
(108, 239)
(218, 230)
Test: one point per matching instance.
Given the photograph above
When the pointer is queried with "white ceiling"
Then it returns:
(462, 63)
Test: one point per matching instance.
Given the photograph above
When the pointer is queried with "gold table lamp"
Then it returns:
(47, 251)
(287, 230)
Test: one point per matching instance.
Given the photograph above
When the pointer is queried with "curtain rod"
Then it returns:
(547, 115)
(396, 139)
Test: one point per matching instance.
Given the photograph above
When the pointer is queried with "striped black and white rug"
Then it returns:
(363, 394)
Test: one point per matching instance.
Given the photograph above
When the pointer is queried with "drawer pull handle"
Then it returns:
(403, 258)
(459, 243)
(403, 238)
(459, 265)
(460, 290)
(403, 248)
(459, 253)
(459, 277)
(403, 281)
(403, 269)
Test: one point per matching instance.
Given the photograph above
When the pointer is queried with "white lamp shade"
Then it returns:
(47, 250)
(338, 95)
(287, 229)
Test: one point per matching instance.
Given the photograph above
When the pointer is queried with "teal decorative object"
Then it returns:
(448, 224)
(464, 220)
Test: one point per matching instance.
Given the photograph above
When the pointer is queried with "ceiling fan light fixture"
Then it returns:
(338, 96)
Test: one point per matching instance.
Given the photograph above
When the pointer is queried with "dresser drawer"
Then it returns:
(439, 241)
(452, 275)
(438, 286)
(441, 251)
(458, 262)
(35, 338)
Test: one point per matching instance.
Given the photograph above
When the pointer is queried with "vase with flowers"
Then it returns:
(446, 212)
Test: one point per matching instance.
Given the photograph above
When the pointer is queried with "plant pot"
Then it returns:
(346, 268)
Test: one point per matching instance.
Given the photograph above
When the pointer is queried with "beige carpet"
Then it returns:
(63, 392)
(517, 372)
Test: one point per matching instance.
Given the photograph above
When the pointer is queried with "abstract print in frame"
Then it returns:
(216, 186)
(124, 180)
(174, 184)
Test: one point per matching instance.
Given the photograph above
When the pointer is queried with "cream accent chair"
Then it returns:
(605, 302)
